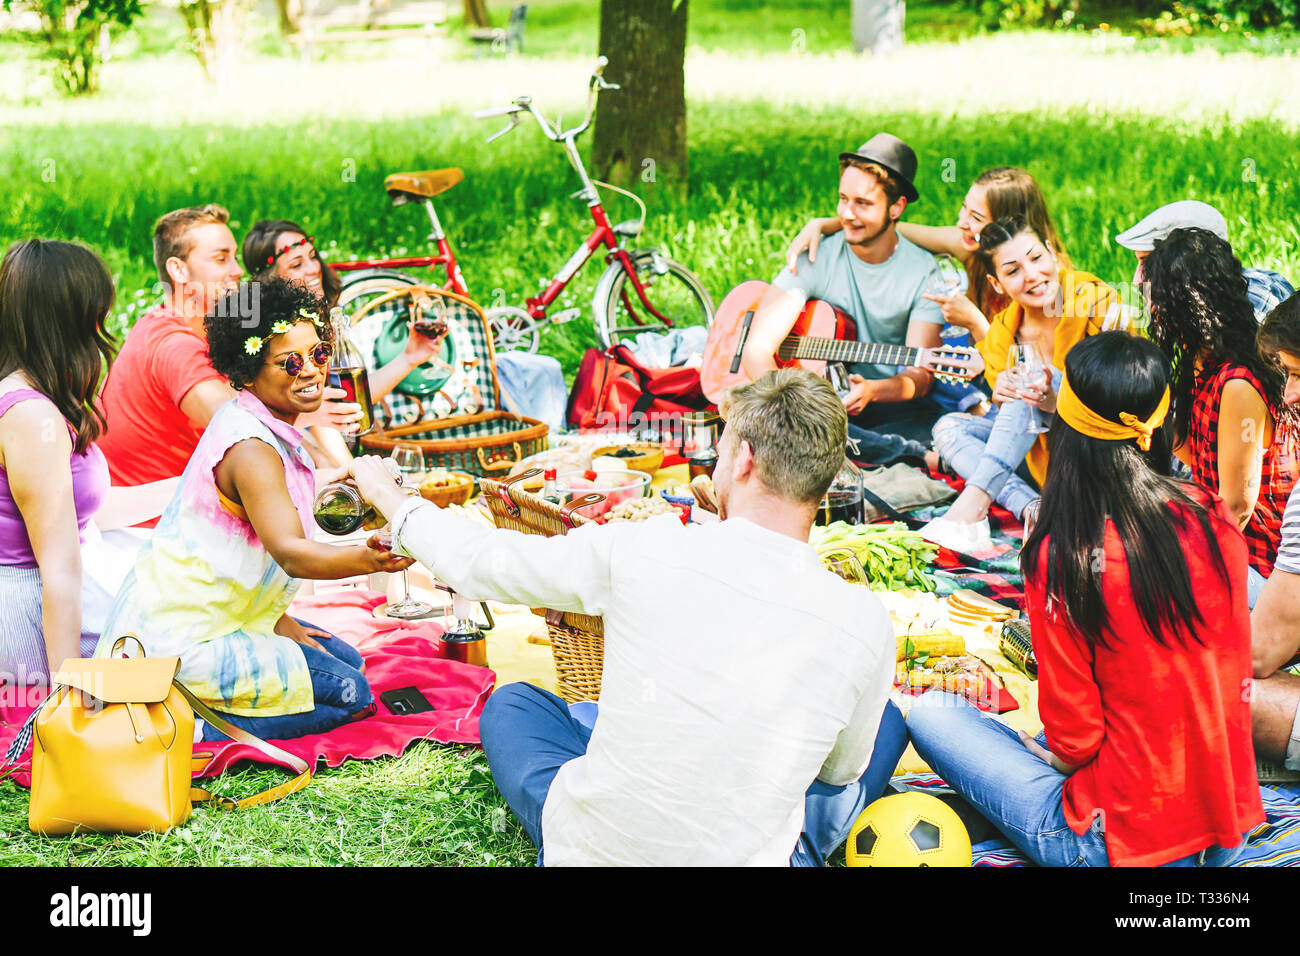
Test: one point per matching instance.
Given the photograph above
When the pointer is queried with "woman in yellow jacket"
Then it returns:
(1051, 309)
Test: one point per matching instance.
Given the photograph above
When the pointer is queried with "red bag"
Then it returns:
(613, 391)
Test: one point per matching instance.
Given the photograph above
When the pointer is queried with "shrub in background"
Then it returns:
(69, 35)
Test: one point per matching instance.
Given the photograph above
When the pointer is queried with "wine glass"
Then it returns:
(410, 462)
(846, 564)
(948, 279)
(1026, 368)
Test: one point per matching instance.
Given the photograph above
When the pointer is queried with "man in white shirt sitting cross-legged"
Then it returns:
(744, 714)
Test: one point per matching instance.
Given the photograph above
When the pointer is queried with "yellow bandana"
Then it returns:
(1087, 422)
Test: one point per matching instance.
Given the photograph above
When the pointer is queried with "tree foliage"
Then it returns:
(69, 36)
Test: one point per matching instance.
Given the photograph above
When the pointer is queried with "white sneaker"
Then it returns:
(956, 536)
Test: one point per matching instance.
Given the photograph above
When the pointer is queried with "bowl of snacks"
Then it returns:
(616, 486)
(644, 456)
(444, 487)
(643, 509)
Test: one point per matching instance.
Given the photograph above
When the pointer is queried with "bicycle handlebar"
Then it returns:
(524, 104)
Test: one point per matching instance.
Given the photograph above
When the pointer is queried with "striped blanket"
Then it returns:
(1275, 842)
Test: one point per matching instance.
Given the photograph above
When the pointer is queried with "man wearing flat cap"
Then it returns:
(878, 277)
(1265, 289)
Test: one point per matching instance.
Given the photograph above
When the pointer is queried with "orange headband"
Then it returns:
(1087, 422)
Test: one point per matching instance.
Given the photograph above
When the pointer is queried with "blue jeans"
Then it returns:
(529, 733)
(887, 432)
(341, 692)
(1020, 793)
(987, 451)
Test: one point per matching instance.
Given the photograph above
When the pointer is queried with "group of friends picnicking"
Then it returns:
(748, 720)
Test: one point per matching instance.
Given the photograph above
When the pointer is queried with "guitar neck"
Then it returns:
(854, 353)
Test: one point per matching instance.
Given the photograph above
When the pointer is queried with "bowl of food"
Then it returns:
(644, 456)
(444, 487)
(616, 486)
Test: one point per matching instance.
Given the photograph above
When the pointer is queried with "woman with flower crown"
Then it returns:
(214, 584)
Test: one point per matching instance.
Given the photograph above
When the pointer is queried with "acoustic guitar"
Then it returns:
(821, 334)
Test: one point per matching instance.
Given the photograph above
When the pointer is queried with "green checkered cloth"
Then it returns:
(472, 385)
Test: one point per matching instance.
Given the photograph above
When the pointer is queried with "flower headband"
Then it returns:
(253, 344)
(270, 260)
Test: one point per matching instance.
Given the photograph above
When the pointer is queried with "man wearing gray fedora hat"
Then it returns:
(878, 277)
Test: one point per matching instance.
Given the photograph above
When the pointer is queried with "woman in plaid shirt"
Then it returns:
(1231, 425)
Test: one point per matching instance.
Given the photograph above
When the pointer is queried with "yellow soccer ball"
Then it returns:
(908, 829)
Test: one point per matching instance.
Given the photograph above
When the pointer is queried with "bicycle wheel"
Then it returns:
(513, 329)
(670, 287)
(362, 288)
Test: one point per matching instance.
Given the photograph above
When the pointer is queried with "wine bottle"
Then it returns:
(348, 372)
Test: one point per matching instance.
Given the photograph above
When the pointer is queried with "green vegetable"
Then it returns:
(894, 557)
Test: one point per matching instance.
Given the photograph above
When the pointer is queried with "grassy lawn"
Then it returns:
(1109, 130)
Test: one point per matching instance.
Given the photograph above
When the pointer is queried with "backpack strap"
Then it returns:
(199, 795)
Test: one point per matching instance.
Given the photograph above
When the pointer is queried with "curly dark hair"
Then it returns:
(259, 245)
(1199, 307)
(252, 310)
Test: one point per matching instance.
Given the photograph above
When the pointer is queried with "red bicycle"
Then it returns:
(640, 289)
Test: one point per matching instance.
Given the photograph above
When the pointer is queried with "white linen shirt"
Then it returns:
(737, 670)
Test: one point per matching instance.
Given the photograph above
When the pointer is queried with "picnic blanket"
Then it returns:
(1275, 842)
(397, 654)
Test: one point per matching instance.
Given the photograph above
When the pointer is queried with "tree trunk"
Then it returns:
(476, 14)
(878, 25)
(290, 13)
(641, 129)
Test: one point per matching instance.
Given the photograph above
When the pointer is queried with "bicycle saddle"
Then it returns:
(423, 185)
(631, 228)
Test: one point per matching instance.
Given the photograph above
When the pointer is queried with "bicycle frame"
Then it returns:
(602, 235)
(446, 258)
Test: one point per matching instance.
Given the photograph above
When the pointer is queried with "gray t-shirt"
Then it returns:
(882, 298)
(1288, 552)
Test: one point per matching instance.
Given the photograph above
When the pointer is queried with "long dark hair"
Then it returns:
(259, 246)
(1198, 304)
(54, 298)
(1010, 191)
(1092, 481)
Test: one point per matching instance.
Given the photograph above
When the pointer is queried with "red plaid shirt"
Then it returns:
(1277, 474)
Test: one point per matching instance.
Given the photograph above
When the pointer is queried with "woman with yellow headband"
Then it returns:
(1135, 584)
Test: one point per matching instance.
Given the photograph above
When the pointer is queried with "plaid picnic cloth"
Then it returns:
(994, 573)
(471, 386)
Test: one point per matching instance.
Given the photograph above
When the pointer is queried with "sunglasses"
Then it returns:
(295, 362)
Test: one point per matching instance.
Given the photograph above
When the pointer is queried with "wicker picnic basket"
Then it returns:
(483, 444)
(577, 640)
(473, 434)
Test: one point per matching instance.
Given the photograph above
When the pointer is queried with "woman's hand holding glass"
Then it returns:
(1026, 378)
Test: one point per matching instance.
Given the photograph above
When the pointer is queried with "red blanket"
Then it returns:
(397, 654)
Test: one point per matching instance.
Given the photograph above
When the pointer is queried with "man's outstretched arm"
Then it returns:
(568, 572)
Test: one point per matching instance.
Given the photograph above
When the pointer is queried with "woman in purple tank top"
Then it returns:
(54, 298)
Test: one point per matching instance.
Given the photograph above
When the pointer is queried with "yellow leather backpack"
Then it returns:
(112, 748)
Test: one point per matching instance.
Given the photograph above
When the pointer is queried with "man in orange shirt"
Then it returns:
(162, 390)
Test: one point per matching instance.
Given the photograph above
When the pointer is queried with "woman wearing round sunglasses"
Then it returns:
(214, 584)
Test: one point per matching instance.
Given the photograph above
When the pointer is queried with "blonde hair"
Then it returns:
(171, 234)
(797, 428)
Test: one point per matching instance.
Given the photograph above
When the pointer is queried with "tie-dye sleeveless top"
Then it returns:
(204, 589)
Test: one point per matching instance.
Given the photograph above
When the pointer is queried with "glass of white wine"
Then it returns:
(1026, 367)
(846, 564)
(410, 462)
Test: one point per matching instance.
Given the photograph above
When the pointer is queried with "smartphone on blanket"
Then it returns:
(405, 700)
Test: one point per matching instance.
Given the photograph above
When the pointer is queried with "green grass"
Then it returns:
(1109, 130)
(434, 806)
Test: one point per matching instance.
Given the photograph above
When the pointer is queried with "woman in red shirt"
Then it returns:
(1136, 591)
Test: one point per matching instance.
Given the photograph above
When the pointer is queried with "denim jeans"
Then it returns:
(341, 692)
(1019, 792)
(529, 733)
(887, 432)
(987, 451)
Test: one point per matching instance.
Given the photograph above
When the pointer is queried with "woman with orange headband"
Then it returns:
(1135, 585)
